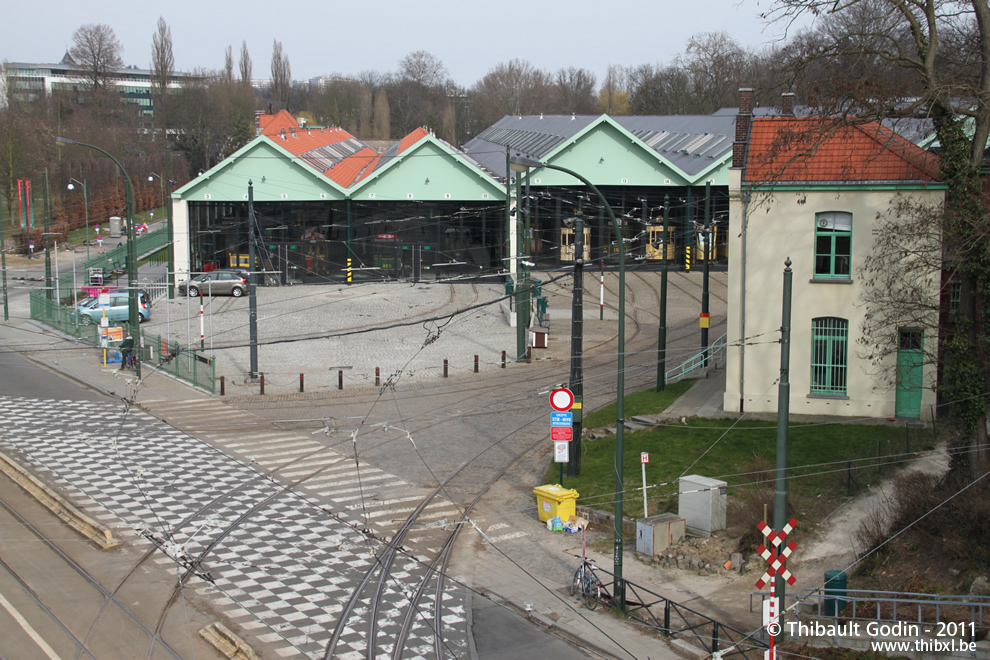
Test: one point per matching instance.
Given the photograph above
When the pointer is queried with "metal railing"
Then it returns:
(925, 610)
(677, 621)
(113, 263)
(188, 364)
(714, 354)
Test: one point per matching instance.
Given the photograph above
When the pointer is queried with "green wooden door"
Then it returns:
(909, 373)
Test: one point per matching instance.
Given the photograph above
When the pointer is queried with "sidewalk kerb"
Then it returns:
(69, 514)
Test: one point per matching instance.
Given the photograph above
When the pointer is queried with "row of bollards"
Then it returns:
(378, 375)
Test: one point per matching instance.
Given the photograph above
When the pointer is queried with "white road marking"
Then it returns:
(42, 644)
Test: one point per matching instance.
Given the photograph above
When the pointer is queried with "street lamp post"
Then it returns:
(522, 163)
(161, 182)
(133, 320)
(85, 208)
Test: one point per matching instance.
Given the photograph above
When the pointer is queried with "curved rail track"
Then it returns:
(409, 568)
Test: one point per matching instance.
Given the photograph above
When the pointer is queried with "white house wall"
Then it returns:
(782, 227)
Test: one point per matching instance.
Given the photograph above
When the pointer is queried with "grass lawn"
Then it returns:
(823, 459)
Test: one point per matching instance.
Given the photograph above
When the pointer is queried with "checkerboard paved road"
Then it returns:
(284, 573)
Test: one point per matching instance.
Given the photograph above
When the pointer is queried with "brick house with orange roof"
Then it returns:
(811, 189)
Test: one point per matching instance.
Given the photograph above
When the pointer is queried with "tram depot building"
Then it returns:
(329, 208)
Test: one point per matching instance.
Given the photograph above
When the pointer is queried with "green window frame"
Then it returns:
(955, 296)
(829, 355)
(833, 245)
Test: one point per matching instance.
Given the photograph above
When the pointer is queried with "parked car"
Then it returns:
(91, 311)
(140, 229)
(216, 282)
(143, 297)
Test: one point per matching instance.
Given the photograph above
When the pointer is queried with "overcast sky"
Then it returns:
(469, 36)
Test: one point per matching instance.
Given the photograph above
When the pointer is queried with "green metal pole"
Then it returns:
(48, 255)
(705, 318)
(133, 319)
(520, 277)
(577, 349)
(168, 219)
(620, 387)
(783, 413)
(252, 295)
(662, 338)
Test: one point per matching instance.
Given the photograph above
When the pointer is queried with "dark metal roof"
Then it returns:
(690, 143)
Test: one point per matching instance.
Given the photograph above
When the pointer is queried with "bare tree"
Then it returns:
(162, 66)
(244, 65)
(901, 282)
(424, 68)
(614, 96)
(575, 90)
(660, 90)
(227, 75)
(448, 123)
(715, 62)
(96, 50)
(511, 88)
(281, 78)
(383, 126)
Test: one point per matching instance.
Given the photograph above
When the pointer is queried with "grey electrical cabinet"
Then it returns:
(701, 502)
(657, 533)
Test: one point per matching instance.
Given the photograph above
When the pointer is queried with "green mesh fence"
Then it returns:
(190, 365)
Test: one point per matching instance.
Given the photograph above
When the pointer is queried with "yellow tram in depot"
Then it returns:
(657, 248)
(567, 247)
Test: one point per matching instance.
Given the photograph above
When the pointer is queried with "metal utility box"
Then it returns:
(115, 225)
(701, 502)
(657, 533)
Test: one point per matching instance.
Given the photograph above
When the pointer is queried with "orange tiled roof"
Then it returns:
(366, 172)
(272, 125)
(812, 149)
(347, 171)
(412, 139)
(307, 139)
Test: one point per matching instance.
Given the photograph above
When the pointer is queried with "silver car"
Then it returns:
(216, 282)
(116, 310)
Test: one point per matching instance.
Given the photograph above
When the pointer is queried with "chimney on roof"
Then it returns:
(743, 119)
(292, 129)
(787, 104)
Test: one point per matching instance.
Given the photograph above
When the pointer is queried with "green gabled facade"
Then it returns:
(609, 155)
(276, 173)
(428, 170)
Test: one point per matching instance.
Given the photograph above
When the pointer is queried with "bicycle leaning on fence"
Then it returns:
(587, 584)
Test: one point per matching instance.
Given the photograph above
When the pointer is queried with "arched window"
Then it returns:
(833, 245)
(829, 355)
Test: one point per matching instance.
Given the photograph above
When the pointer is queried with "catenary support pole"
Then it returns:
(783, 414)
(706, 257)
(577, 349)
(662, 332)
(252, 294)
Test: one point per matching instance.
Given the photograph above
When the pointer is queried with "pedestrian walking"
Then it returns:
(126, 350)
(99, 241)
